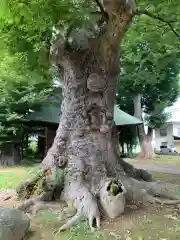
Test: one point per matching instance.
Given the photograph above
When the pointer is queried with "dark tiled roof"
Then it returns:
(51, 114)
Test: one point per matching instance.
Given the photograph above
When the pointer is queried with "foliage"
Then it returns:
(26, 26)
(21, 91)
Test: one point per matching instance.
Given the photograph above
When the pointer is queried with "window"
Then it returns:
(178, 132)
(163, 132)
(164, 144)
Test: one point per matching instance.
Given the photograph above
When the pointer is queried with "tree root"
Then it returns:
(166, 202)
(24, 206)
(138, 174)
(151, 192)
(85, 204)
(45, 186)
(26, 189)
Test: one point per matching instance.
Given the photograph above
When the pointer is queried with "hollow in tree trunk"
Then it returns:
(86, 143)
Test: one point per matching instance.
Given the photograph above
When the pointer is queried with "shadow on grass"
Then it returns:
(30, 162)
(29, 234)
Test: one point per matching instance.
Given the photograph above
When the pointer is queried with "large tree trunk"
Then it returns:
(145, 143)
(10, 154)
(149, 140)
(144, 139)
(86, 142)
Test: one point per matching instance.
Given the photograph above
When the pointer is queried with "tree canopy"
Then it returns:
(26, 26)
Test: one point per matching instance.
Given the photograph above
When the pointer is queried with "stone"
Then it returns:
(13, 224)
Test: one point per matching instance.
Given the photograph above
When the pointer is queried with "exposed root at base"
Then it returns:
(151, 192)
(165, 202)
(85, 204)
(45, 186)
(113, 194)
(138, 174)
(24, 206)
(114, 205)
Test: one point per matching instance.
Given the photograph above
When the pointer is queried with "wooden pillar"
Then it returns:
(41, 145)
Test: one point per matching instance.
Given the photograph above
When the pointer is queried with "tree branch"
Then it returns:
(157, 17)
(105, 15)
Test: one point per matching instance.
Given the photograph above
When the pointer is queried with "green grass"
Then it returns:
(46, 226)
(171, 178)
(169, 160)
(11, 177)
(153, 225)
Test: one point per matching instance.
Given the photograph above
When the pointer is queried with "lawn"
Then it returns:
(11, 177)
(152, 223)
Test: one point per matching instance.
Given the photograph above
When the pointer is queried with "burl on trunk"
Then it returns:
(86, 142)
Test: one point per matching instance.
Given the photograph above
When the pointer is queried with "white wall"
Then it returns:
(176, 126)
(169, 138)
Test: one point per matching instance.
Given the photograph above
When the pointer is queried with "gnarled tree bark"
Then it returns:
(86, 142)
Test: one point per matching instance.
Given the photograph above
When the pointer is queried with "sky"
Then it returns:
(175, 109)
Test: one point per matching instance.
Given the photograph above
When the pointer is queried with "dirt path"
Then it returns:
(156, 168)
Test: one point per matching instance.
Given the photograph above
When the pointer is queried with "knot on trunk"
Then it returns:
(96, 83)
(61, 161)
(98, 118)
